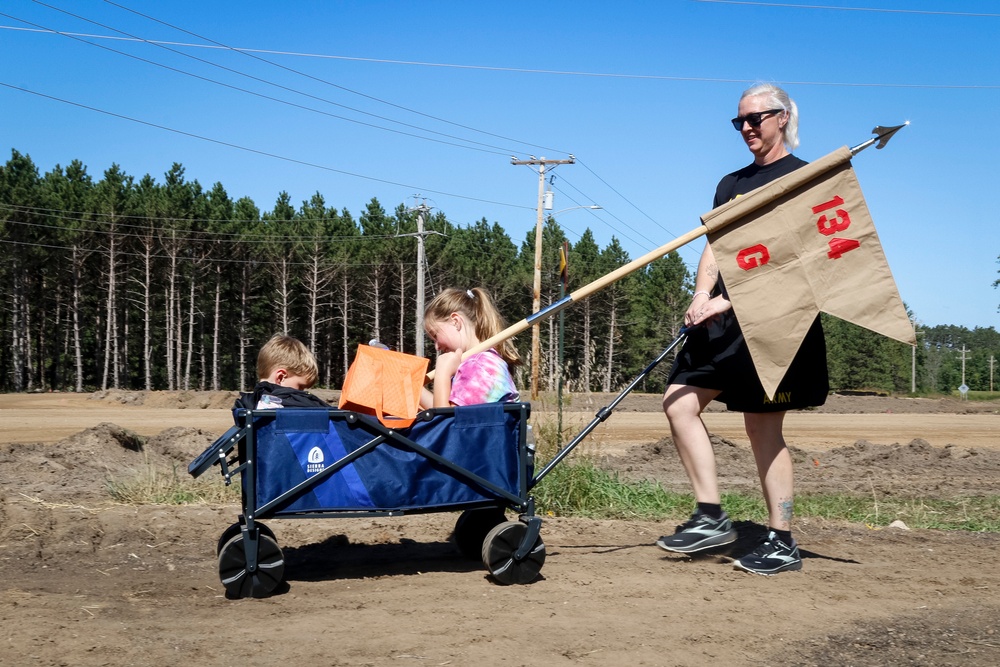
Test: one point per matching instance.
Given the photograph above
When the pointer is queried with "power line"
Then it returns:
(495, 150)
(251, 237)
(597, 216)
(94, 216)
(205, 237)
(256, 151)
(202, 260)
(167, 45)
(468, 251)
(579, 73)
(788, 5)
(626, 199)
(649, 243)
(329, 83)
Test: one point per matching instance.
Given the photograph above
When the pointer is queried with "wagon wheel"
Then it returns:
(236, 529)
(472, 528)
(233, 572)
(499, 548)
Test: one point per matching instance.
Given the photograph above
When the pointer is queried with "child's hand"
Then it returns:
(447, 363)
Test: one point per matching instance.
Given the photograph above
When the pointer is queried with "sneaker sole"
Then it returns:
(788, 567)
(707, 543)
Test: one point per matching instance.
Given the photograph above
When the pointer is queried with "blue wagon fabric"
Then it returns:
(297, 444)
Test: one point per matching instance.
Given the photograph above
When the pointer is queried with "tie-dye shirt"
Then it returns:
(483, 378)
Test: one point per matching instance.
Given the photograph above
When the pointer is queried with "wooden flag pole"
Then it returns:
(883, 134)
(585, 291)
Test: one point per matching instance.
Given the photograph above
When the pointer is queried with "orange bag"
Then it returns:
(386, 384)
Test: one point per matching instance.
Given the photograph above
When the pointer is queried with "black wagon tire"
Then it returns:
(240, 583)
(472, 528)
(498, 552)
(236, 529)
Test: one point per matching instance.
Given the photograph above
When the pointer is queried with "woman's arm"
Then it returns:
(703, 305)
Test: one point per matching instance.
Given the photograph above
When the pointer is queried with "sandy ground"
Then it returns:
(89, 582)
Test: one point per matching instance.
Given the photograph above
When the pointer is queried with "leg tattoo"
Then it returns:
(786, 509)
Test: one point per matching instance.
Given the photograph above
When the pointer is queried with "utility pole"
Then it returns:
(537, 287)
(913, 364)
(964, 352)
(422, 209)
(992, 361)
(964, 389)
(419, 332)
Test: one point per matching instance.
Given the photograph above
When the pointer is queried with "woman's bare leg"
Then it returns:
(774, 465)
(683, 406)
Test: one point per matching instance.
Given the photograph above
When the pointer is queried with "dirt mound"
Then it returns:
(83, 464)
(187, 400)
(835, 404)
(914, 470)
(197, 400)
(120, 396)
(851, 404)
(180, 444)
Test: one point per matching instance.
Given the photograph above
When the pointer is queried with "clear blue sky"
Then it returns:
(441, 95)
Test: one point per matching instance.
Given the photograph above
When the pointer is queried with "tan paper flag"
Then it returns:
(800, 245)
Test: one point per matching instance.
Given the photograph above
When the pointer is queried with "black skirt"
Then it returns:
(715, 356)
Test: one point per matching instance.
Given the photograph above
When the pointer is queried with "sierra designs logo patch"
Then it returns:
(315, 461)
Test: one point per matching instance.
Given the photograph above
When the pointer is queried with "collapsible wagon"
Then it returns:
(307, 463)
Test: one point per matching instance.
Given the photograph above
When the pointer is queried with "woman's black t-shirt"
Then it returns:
(716, 355)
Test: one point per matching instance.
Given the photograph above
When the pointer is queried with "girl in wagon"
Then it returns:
(458, 320)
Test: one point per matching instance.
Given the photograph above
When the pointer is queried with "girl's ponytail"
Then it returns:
(489, 322)
(477, 305)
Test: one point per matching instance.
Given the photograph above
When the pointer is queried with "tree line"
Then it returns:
(119, 282)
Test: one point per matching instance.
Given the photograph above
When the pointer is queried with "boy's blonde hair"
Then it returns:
(477, 306)
(289, 353)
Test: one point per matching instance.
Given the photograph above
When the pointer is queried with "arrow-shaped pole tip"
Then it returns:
(885, 133)
(882, 136)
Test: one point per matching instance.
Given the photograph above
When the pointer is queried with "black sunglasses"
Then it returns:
(755, 119)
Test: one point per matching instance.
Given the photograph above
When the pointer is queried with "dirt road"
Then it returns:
(89, 582)
(845, 420)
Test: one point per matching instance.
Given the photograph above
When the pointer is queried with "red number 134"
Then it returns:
(829, 224)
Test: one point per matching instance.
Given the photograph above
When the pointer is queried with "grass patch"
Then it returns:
(580, 488)
(577, 486)
(150, 486)
(973, 395)
(972, 513)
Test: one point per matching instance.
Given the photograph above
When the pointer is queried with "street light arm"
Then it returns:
(593, 207)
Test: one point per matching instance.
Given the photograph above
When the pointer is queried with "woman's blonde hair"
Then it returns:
(477, 306)
(777, 98)
(289, 353)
